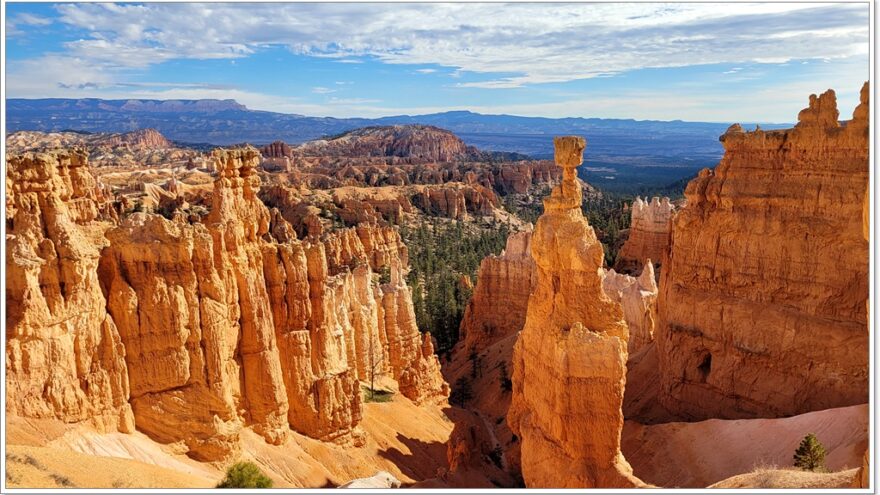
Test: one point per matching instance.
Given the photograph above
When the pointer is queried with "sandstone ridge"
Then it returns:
(648, 234)
(762, 296)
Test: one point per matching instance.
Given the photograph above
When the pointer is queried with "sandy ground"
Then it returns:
(406, 440)
(700, 454)
(411, 442)
(788, 478)
(44, 467)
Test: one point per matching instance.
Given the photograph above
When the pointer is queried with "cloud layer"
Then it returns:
(498, 46)
(530, 43)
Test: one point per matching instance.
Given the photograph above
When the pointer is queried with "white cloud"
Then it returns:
(351, 101)
(560, 42)
(13, 23)
(32, 20)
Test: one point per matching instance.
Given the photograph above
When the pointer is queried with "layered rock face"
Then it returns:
(569, 363)
(455, 201)
(762, 304)
(648, 234)
(64, 355)
(131, 149)
(417, 142)
(638, 297)
(518, 177)
(861, 478)
(497, 308)
(143, 138)
(201, 327)
(277, 149)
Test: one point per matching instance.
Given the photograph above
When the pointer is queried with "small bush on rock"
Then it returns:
(245, 475)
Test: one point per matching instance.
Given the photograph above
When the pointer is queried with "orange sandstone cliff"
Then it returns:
(638, 297)
(648, 234)
(569, 363)
(497, 308)
(64, 354)
(189, 330)
(762, 297)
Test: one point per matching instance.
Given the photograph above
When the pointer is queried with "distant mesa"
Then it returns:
(419, 142)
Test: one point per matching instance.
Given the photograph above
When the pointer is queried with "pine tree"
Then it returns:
(810, 455)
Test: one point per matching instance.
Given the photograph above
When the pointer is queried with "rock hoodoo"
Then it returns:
(64, 355)
(497, 308)
(648, 234)
(569, 363)
(638, 296)
(762, 303)
(189, 330)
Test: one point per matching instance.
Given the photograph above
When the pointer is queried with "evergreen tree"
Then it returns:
(810, 455)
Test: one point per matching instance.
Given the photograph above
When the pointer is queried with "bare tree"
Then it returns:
(375, 363)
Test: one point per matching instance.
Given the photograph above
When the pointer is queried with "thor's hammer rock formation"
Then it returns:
(569, 363)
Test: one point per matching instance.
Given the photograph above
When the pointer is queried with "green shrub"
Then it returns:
(245, 475)
(810, 455)
(376, 395)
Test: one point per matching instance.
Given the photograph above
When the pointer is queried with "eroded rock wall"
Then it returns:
(638, 297)
(762, 298)
(64, 355)
(648, 234)
(497, 308)
(189, 330)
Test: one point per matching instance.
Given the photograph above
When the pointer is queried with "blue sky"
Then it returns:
(708, 62)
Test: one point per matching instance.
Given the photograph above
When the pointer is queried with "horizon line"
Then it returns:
(453, 110)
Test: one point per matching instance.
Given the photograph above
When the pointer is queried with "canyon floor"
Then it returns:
(410, 442)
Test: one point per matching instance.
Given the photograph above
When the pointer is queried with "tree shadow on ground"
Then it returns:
(464, 461)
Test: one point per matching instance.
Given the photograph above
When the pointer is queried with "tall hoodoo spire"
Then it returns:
(569, 363)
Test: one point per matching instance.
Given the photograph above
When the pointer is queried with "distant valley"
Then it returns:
(622, 155)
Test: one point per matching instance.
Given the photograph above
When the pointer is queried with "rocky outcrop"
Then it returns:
(861, 478)
(497, 308)
(762, 304)
(64, 355)
(418, 143)
(455, 200)
(638, 297)
(277, 149)
(142, 138)
(196, 318)
(136, 149)
(518, 178)
(370, 204)
(165, 293)
(569, 363)
(648, 234)
(190, 330)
